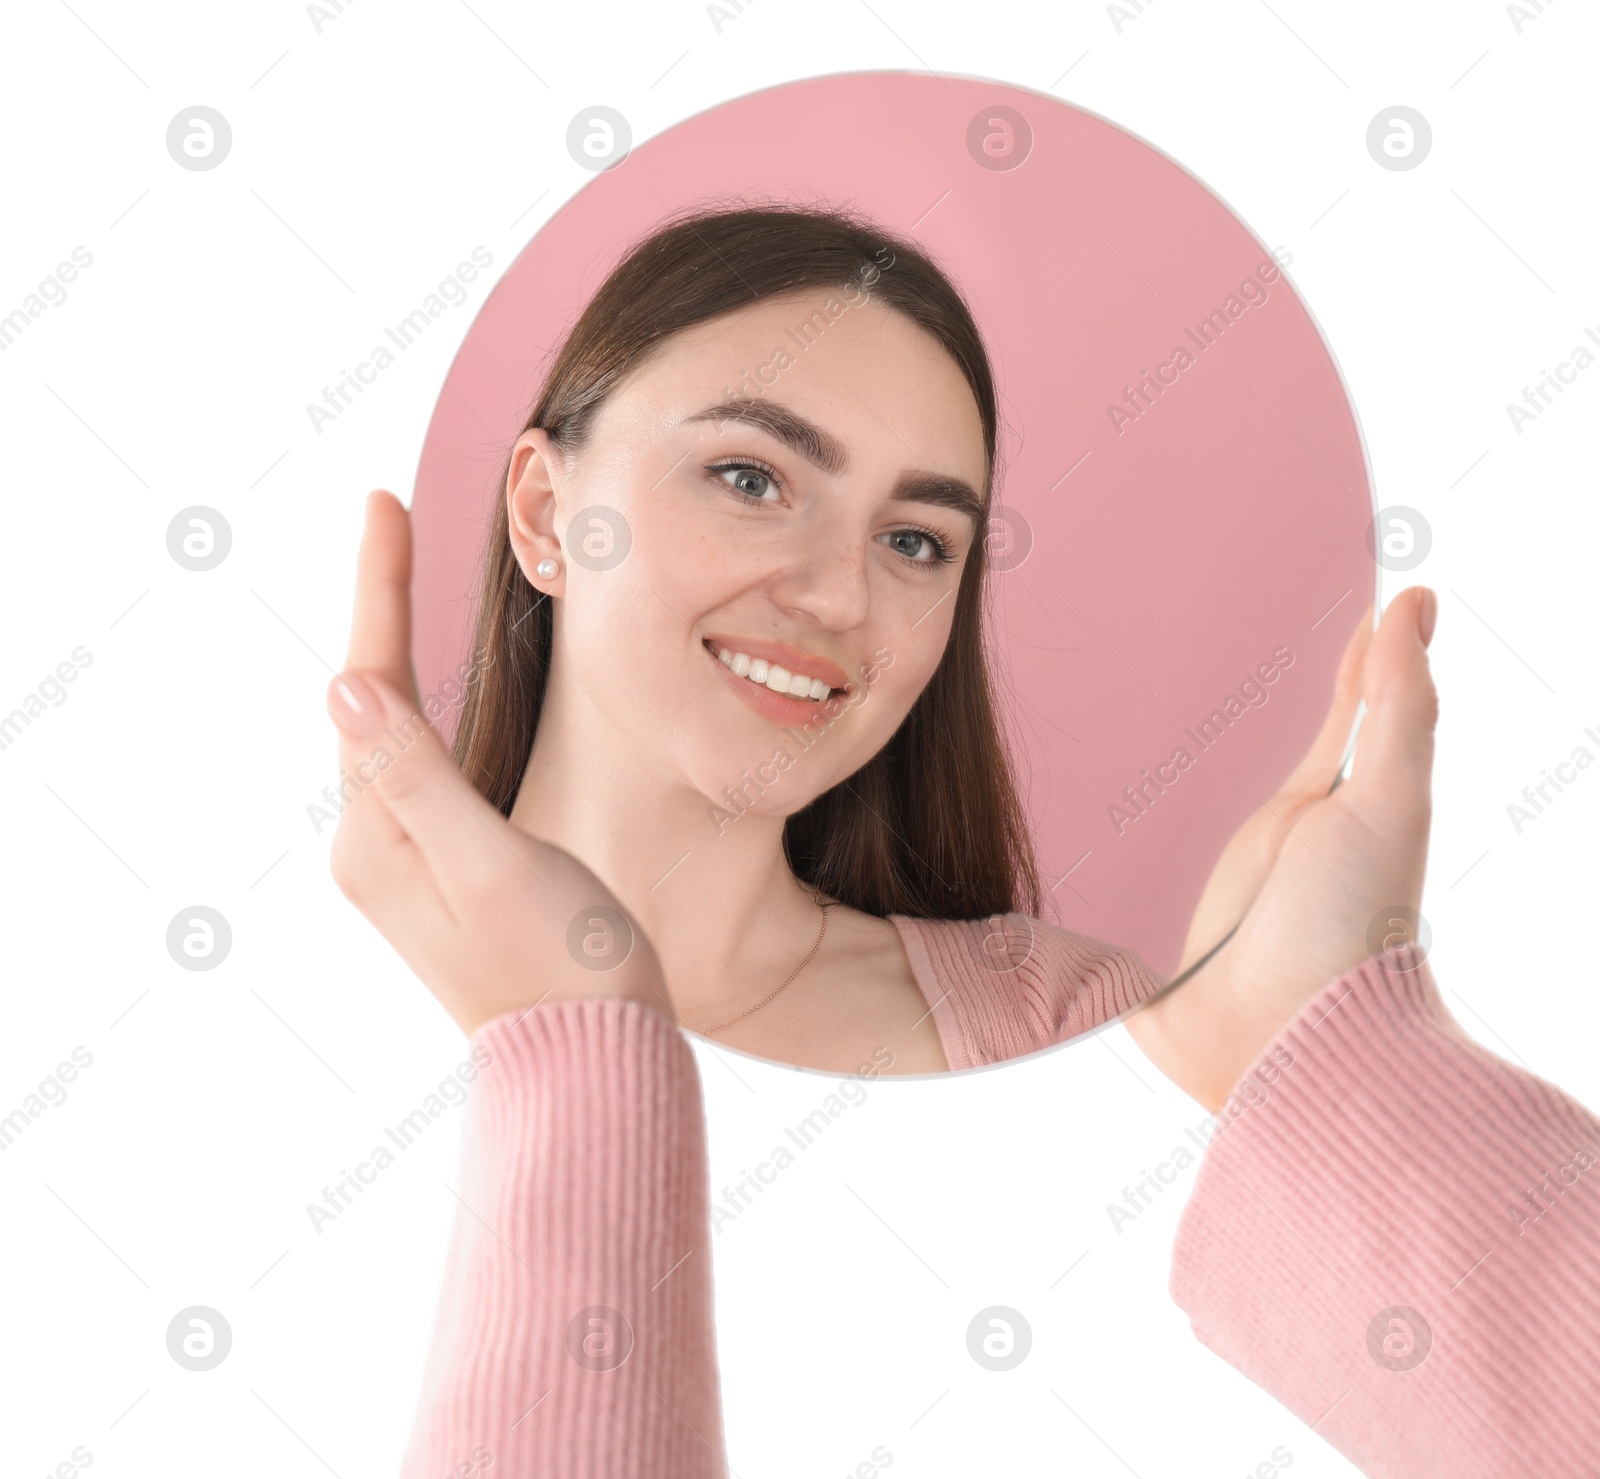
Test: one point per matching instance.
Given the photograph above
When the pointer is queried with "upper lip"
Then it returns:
(784, 655)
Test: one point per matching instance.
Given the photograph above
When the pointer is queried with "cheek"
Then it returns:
(892, 682)
(681, 551)
(623, 619)
(628, 628)
(613, 633)
(631, 607)
(911, 626)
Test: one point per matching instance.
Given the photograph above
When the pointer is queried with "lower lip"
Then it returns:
(781, 708)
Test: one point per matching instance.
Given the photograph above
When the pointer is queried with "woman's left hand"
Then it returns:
(1311, 870)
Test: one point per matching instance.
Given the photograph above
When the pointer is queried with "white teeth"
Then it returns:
(772, 675)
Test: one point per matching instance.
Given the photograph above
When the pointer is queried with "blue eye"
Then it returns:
(752, 481)
(936, 551)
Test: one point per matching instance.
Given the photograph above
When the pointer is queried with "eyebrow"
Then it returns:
(823, 450)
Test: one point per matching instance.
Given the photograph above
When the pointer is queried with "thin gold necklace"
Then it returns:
(706, 1032)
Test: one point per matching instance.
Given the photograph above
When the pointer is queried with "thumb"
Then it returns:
(1393, 769)
(418, 780)
(1312, 778)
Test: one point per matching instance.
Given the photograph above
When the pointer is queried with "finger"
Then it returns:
(463, 840)
(380, 638)
(365, 819)
(1314, 775)
(1255, 846)
(1394, 755)
(380, 628)
(1253, 850)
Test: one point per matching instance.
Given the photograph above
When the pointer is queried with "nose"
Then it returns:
(823, 576)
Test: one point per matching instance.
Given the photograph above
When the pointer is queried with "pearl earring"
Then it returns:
(546, 569)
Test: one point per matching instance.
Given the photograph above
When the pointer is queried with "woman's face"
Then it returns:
(797, 482)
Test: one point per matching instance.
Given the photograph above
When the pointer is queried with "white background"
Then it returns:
(368, 159)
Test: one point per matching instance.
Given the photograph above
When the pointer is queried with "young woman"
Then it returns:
(729, 761)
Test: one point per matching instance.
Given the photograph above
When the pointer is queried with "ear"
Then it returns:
(533, 483)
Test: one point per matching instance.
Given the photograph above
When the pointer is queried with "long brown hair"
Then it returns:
(931, 825)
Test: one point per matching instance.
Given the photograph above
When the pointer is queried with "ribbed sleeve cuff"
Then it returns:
(1397, 1234)
(575, 1333)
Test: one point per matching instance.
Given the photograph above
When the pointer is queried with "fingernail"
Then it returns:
(1427, 614)
(354, 705)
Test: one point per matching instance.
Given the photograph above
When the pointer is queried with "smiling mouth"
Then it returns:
(772, 676)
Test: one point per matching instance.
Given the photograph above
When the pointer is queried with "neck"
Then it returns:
(708, 885)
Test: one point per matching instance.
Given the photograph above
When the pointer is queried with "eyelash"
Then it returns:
(943, 554)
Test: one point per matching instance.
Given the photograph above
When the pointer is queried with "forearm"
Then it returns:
(1399, 1237)
(575, 1334)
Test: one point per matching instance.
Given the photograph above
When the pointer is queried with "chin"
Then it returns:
(762, 785)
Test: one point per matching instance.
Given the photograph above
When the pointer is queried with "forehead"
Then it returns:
(856, 365)
(835, 319)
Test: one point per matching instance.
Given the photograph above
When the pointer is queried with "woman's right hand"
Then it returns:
(492, 919)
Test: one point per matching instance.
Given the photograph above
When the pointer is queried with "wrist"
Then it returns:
(474, 1021)
(1202, 1038)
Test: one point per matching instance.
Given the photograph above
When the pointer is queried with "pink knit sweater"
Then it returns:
(1396, 1233)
